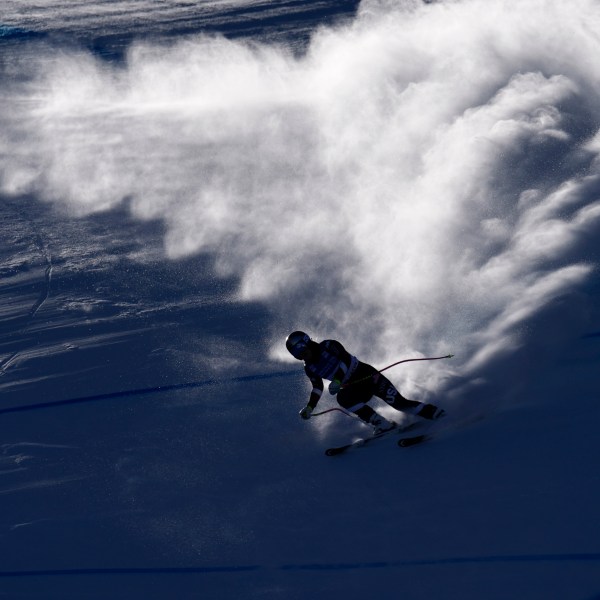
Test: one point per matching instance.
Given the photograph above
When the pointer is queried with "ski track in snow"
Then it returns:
(318, 567)
(38, 484)
(6, 363)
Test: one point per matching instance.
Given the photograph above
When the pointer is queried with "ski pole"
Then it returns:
(324, 412)
(413, 359)
(398, 363)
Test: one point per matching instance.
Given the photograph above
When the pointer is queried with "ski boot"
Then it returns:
(430, 412)
(380, 424)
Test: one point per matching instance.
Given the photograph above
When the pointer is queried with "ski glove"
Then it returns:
(335, 386)
(306, 412)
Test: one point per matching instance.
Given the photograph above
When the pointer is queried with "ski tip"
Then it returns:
(412, 441)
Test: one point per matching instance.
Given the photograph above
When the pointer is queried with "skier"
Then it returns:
(354, 382)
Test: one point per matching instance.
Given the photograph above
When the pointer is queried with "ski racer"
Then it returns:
(353, 382)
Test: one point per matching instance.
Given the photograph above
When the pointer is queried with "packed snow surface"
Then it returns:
(182, 184)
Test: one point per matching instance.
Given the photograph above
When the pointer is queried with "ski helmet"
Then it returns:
(296, 343)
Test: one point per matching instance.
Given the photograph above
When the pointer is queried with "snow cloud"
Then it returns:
(422, 180)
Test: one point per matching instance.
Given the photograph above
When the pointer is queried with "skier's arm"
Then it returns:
(342, 370)
(315, 396)
(317, 390)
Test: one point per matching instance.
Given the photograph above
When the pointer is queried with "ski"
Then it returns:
(365, 441)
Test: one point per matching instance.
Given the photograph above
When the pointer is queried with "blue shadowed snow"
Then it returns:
(174, 201)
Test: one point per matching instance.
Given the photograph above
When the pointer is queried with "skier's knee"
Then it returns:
(401, 403)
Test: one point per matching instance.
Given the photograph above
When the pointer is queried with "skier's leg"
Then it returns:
(386, 390)
(369, 416)
(355, 397)
(355, 404)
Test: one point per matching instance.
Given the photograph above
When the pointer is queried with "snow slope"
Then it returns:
(173, 204)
